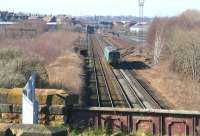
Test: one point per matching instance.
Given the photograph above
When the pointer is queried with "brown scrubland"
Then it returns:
(51, 54)
(174, 46)
(65, 72)
(177, 39)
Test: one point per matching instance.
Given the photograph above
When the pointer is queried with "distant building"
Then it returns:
(106, 24)
(139, 28)
(6, 16)
(47, 18)
(61, 19)
(52, 24)
(33, 17)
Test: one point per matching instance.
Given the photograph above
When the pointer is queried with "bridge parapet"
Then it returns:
(151, 121)
(12, 101)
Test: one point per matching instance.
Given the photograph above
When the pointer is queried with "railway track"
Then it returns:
(104, 97)
(126, 91)
(144, 92)
(129, 96)
(96, 78)
(146, 99)
(135, 95)
(120, 98)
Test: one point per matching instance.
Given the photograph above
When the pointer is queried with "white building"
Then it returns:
(139, 28)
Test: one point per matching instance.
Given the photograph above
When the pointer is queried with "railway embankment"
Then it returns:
(181, 93)
(173, 46)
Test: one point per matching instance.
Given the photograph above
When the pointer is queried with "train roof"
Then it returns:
(111, 48)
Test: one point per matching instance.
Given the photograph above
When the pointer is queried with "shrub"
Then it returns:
(177, 39)
(23, 29)
(94, 132)
(16, 69)
(56, 51)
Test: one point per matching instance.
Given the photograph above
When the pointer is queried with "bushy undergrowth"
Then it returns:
(102, 132)
(177, 39)
(26, 40)
(16, 68)
(49, 45)
(97, 132)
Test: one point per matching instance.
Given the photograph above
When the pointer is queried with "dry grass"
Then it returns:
(65, 72)
(16, 69)
(177, 38)
(175, 48)
(119, 43)
(183, 94)
(57, 51)
(48, 45)
(23, 29)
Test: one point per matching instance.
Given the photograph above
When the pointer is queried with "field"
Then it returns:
(51, 54)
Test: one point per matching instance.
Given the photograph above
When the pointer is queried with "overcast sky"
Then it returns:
(100, 7)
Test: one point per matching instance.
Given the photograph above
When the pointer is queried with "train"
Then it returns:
(112, 55)
(90, 29)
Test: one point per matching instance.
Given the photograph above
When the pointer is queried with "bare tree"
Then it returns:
(177, 39)
(159, 42)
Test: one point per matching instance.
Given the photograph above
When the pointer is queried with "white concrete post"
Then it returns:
(29, 103)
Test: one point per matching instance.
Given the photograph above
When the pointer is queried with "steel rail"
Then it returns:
(104, 78)
(117, 83)
(133, 91)
(149, 98)
(146, 92)
(95, 75)
(122, 91)
(106, 82)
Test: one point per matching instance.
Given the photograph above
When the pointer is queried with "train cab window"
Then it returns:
(116, 55)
